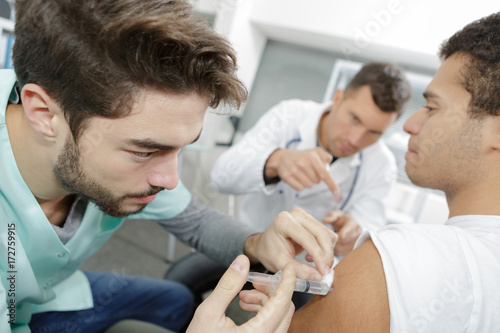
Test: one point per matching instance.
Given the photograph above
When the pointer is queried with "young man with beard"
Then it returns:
(104, 95)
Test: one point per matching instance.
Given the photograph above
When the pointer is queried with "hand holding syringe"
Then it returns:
(305, 286)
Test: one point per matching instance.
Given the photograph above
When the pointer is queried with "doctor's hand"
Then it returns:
(288, 235)
(347, 229)
(274, 313)
(301, 168)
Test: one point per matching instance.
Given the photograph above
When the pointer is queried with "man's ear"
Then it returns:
(496, 135)
(337, 97)
(40, 110)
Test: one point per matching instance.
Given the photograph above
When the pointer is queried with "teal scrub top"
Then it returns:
(38, 272)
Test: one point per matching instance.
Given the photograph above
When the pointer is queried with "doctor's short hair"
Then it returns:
(479, 41)
(93, 56)
(390, 89)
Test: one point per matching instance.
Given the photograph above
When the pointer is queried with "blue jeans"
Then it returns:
(117, 297)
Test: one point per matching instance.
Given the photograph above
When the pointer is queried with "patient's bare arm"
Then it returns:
(358, 303)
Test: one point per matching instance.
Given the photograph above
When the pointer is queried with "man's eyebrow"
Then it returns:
(353, 113)
(430, 94)
(150, 144)
(153, 145)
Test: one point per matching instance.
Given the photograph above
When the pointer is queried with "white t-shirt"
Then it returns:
(442, 278)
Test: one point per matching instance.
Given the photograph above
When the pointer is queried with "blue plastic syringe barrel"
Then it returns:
(301, 285)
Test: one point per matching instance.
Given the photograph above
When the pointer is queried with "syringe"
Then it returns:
(304, 286)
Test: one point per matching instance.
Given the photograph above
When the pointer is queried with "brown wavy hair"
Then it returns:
(93, 56)
(389, 87)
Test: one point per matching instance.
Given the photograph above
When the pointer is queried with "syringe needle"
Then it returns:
(301, 285)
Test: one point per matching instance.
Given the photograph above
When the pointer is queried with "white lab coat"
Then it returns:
(293, 124)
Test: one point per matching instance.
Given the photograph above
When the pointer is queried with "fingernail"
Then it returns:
(238, 264)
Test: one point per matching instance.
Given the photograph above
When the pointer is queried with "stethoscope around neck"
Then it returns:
(356, 176)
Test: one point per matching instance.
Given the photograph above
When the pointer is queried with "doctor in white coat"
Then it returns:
(324, 158)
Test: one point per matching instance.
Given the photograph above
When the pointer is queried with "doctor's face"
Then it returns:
(445, 144)
(353, 123)
(121, 164)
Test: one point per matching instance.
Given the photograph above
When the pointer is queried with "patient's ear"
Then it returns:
(337, 96)
(42, 112)
(495, 125)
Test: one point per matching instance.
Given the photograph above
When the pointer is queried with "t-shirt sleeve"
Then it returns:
(428, 281)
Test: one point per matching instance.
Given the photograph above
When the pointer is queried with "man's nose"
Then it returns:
(165, 173)
(414, 123)
(356, 137)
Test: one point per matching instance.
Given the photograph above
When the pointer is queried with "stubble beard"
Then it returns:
(73, 179)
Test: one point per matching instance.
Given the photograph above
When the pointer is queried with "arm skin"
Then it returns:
(358, 302)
